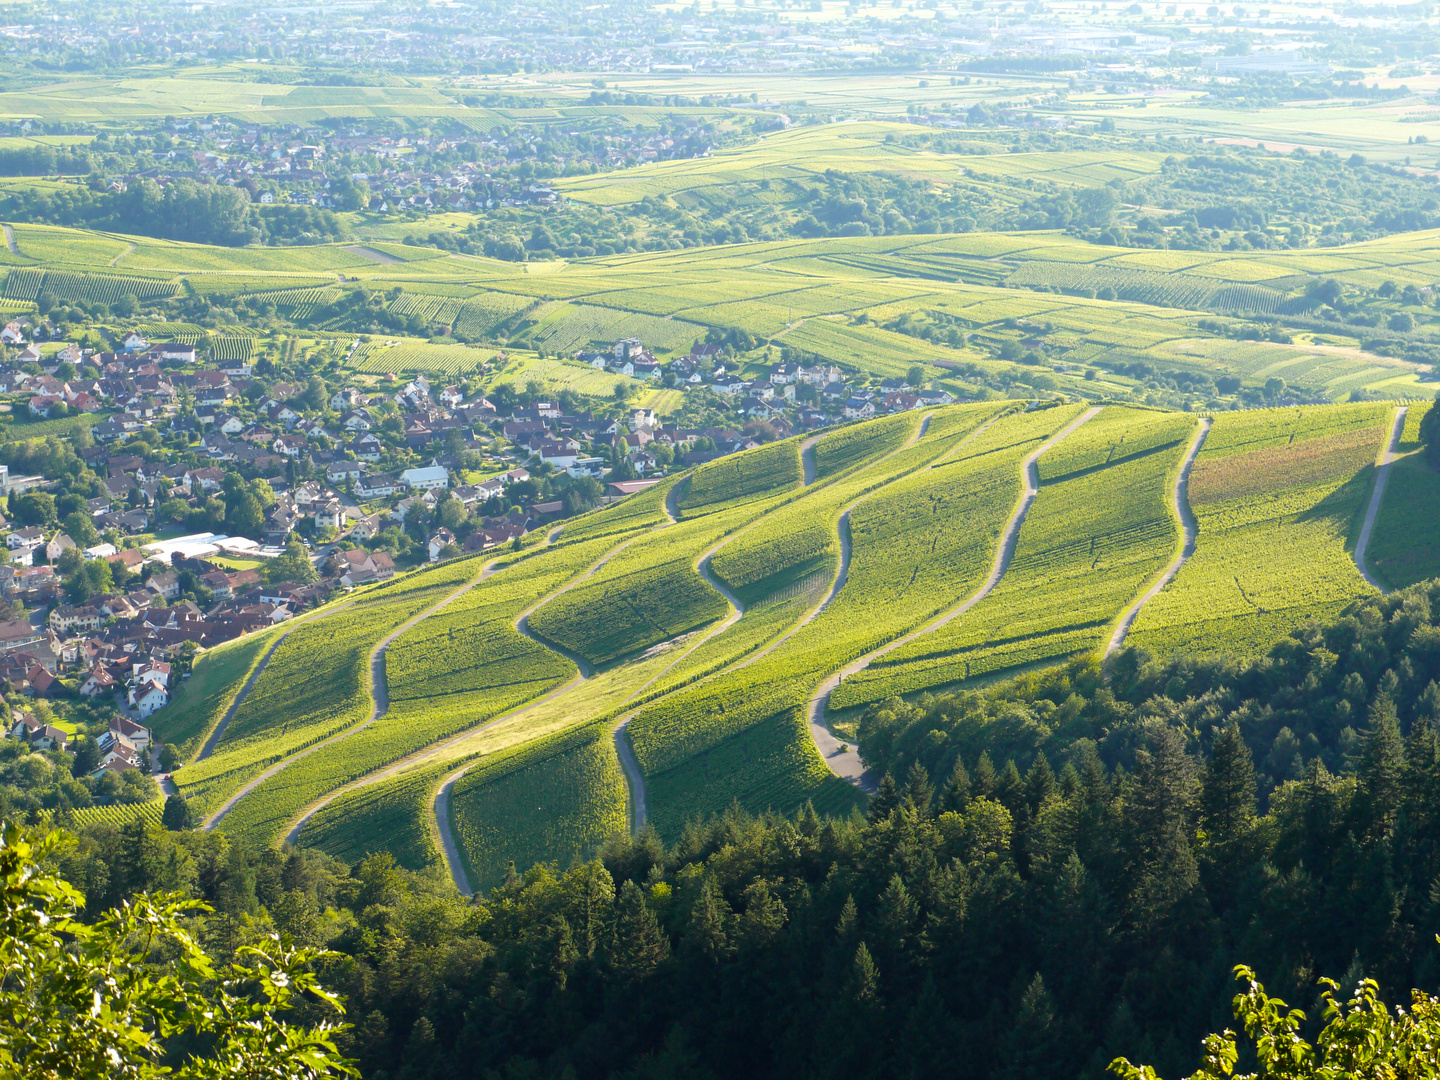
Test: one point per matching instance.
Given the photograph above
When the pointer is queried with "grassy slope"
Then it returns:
(1277, 495)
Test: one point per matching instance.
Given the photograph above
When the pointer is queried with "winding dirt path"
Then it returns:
(844, 759)
(116, 260)
(10, 241)
(807, 457)
(1382, 474)
(1190, 532)
(522, 626)
(378, 692)
(239, 699)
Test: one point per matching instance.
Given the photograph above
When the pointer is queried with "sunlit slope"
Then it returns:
(839, 298)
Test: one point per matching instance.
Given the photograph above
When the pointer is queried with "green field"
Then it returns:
(1277, 495)
(839, 299)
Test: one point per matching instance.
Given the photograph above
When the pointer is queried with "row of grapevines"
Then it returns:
(1276, 496)
(1087, 547)
(487, 670)
(764, 470)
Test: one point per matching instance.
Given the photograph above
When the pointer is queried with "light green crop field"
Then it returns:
(1277, 495)
(828, 297)
(198, 703)
(316, 683)
(1100, 528)
(554, 800)
(459, 667)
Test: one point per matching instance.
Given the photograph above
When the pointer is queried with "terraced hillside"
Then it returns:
(708, 642)
(875, 305)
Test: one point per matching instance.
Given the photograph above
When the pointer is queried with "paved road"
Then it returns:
(1191, 533)
(844, 760)
(1382, 474)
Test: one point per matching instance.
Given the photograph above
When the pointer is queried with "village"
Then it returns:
(208, 504)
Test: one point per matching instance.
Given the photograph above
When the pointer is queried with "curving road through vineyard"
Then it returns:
(844, 759)
(1190, 532)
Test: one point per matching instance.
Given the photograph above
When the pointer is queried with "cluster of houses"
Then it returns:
(410, 172)
(122, 746)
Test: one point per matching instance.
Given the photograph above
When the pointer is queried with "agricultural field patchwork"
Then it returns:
(1277, 495)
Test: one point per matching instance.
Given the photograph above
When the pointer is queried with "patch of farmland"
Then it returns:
(23, 284)
(569, 327)
(1276, 496)
(922, 538)
(871, 349)
(556, 801)
(228, 285)
(739, 477)
(1175, 290)
(224, 347)
(480, 315)
(104, 288)
(1405, 545)
(555, 375)
(420, 357)
(1092, 539)
(427, 308)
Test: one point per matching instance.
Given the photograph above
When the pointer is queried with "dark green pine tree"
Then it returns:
(918, 789)
(1010, 789)
(884, 801)
(1380, 771)
(637, 944)
(984, 781)
(1227, 788)
(1040, 782)
(957, 789)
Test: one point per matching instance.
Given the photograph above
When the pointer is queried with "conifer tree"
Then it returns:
(1227, 789)
(957, 789)
(1381, 770)
(885, 799)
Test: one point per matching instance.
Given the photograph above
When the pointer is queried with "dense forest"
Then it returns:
(1086, 899)
(200, 213)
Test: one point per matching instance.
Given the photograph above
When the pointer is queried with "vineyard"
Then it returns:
(426, 308)
(417, 357)
(736, 478)
(229, 348)
(554, 800)
(27, 284)
(1176, 290)
(481, 315)
(1276, 494)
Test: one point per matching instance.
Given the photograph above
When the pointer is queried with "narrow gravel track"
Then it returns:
(633, 775)
(1382, 474)
(10, 241)
(1191, 533)
(807, 457)
(240, 696)
(440, 808)
(844, 760)
(522, 626)
(378, 693)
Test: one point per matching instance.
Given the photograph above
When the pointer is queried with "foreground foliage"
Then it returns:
(1360, 1037)
(82, 1000)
